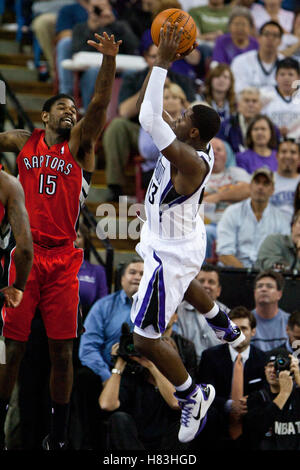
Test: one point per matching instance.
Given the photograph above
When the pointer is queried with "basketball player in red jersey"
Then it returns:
(53, 165)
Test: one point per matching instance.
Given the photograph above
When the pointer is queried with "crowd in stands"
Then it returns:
(247, 67)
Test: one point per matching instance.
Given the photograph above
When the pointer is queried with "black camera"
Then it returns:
(282, 363)
(126, 346)
(97, 11)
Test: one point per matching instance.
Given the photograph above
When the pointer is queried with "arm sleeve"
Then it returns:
(150, 116)
(270, 253)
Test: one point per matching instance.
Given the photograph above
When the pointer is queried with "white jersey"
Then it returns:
(169, 214)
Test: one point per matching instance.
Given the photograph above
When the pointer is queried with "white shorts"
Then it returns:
(169, 268)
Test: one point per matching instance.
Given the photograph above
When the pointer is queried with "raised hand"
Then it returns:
(106, 45)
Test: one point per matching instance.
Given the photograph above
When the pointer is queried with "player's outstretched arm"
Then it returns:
(182, 156)
(12, 197)
(13, 140)
(85, 134)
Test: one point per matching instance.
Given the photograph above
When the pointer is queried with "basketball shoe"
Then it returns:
(193, 411)
(230, 334)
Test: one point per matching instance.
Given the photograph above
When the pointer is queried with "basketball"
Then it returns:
(184, 20)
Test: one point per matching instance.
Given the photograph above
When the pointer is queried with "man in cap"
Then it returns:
(244, 226)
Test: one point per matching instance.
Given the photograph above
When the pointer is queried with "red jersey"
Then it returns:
(54, 186)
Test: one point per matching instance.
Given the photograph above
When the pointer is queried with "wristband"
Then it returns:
(116, 371)
(18, 288)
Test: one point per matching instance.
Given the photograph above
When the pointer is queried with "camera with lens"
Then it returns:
(282, 363)
(126, 346)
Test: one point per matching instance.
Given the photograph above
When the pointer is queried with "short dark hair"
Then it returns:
(278, 278)
(288, 63)
(50, 101)
(294, 319)
(272, 23)
(210, 268)
(243, 312)
(272, 144)
(206, 120)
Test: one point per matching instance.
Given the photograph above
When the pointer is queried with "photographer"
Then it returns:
(273, 418)
(146, 413)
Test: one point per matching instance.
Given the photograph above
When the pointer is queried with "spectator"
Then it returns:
(175, 103)
(121, 135)
(102, 330)
(193, 326)
(44, 14)
(273, 411)
(290, 45)
(286, 177)
(272, 11)
(135, 425)
(100, 18)
(217, 366)
(92, 277)
(245, 225)
(261, 143)
(271, 321)
(219, 90)
(281, 251)
(211, 19)
(257, 68)
(293, 332)
(297, 199)
(238, 40)
(138, 16)
(234, 129)
(283, 108)
(186, 65)
(225, 186)
(184, 345)
(68, 17)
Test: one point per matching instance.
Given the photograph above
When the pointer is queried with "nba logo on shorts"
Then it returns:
(2, 92)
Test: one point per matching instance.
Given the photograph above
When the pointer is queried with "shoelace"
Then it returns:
(186, 407)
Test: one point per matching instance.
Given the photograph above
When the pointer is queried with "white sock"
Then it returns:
(185, 385)
(213, 312)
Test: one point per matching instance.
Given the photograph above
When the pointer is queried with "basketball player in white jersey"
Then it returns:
(173, 239)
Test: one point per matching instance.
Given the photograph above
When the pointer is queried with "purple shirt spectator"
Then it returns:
(250, 161)
(92, 284)
(225, 50)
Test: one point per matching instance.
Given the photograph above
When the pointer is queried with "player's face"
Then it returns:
(249, 105)
(261, 189)
(209, 280)
(183, 125)
(266, 291)
(131, 278)
(62, 115)
(288, 158)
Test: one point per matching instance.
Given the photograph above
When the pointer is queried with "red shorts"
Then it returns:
(53, 288)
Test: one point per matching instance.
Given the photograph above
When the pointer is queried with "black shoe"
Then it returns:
(50, 445)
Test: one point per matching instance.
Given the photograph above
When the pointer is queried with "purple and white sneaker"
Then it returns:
(193, 411)
(231, 334)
